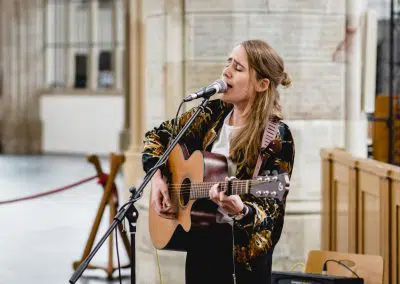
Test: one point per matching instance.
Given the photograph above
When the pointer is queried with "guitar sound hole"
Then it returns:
(185, 191)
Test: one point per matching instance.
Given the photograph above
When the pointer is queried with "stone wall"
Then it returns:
(22, 69)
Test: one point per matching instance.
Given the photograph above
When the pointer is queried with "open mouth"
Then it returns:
(229, 86)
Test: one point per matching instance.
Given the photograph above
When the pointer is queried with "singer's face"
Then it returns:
(237, 77)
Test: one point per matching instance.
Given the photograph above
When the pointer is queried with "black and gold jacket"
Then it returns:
(259, 231)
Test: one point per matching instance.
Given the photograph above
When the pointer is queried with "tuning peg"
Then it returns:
(267, 179)
(264, 193)
(274, 172)
(268, 172)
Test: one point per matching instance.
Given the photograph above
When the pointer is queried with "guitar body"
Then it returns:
(189, 181)
(201, 166)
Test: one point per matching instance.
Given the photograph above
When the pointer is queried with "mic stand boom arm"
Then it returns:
(129, 206)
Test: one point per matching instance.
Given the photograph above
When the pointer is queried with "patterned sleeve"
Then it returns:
(157, 139)
(264, 224)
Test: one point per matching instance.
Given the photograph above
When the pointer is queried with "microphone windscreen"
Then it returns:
(221, 85)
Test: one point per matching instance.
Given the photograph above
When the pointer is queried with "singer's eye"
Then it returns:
(238, 67)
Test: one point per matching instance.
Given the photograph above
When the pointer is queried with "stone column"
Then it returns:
(23, 76)
(35, 75)
(22, 128)
(134, 48)
(3, 67)
(175, 47)
(135, 88)
(10, 137)
(356, 120)
(135, 85)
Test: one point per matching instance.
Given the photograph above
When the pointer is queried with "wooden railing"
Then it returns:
(361, 208)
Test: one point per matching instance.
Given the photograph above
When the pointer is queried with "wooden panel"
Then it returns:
(373, 217)
(395, 228)
(340, 195)
(326, 219)
(353, 206)
(370, 223)
(342, 216)
(385, 228)
(361, 199)
(369, 214)
(345, 202)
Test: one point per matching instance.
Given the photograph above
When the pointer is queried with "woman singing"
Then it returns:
(240, 247)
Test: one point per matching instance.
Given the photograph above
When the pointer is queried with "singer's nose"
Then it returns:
(227, 73)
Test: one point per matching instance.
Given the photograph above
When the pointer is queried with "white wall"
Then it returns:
(81, 124)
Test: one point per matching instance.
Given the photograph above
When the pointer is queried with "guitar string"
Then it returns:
(199, 192)
(236, 188)
(206, 186)
(199, 186)
(236, 181)
(177, 185)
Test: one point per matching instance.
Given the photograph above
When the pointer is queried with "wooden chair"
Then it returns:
(368, 267)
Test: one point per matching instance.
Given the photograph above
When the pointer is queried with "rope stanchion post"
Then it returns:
(110, 198)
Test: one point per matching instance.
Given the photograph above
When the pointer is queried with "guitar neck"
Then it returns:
(201, 190)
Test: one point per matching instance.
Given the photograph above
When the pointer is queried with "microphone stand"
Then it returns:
(128, 209)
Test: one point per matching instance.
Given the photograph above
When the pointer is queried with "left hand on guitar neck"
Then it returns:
(232, 204)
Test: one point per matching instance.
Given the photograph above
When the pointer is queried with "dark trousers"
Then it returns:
(209, 260)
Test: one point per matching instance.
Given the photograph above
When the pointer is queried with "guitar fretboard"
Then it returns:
(201, 190)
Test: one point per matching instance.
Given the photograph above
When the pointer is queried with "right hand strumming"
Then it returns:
(161, 201)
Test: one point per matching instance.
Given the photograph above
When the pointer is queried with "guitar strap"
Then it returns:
(269, 134)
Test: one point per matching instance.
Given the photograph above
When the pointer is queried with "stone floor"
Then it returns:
(41, 238)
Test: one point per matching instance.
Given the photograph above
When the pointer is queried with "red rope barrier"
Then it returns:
(49, 192)
(103, 181)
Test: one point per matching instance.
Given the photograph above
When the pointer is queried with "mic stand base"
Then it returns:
(132, 215)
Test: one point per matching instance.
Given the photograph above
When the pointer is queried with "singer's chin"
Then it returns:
(219, 96)
(225, 98)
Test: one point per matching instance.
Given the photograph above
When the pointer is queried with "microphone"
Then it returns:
(219, 86)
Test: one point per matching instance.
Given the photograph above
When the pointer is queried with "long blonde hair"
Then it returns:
(263, 62)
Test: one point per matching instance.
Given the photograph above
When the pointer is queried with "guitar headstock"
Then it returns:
(273, 186)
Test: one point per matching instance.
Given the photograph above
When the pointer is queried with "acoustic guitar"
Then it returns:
(190, 179)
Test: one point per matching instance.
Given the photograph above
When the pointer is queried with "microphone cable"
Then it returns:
(176, 124)
(325, 270)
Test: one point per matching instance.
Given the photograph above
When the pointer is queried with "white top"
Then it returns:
(222, 146)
